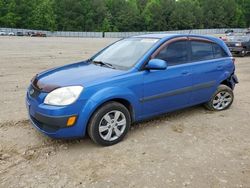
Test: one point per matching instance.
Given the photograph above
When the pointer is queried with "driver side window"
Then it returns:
(175, 53)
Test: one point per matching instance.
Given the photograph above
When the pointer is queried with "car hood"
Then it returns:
(81, 73)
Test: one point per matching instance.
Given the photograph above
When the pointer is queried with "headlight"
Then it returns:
(63, 96)
(238, 44)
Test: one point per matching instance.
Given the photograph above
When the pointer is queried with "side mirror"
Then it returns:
(156, 64)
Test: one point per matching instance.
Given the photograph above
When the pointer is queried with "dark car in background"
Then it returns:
(19, 33)
(239, 44)
(29, 33)
(229, 32)
(38, 34)
(248, 31)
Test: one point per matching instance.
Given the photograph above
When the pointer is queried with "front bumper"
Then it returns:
(236, 49)
(49, 123)
(52, 120)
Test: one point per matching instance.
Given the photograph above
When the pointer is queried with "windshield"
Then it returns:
(125, 53)
(243, 38)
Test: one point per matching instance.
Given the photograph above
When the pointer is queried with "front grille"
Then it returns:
(47, 128)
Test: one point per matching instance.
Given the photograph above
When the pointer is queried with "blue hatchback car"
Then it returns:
(131, 80)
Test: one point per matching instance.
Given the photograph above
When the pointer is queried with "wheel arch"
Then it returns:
(230, 81)
(116, 94)
(227, 83)
(225, 79)
(122, 101)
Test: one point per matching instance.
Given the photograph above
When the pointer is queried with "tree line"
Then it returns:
(124, 15)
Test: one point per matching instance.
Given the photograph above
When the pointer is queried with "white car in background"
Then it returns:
(2, 33)
(11, 34)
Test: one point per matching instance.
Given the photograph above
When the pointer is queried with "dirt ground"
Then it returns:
(189, 148)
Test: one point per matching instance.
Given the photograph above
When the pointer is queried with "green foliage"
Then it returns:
(244, 9)
(187, 15)
(43, 15)
(124, 15)
(8, 13)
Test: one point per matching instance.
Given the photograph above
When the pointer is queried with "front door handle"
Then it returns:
(185, 73)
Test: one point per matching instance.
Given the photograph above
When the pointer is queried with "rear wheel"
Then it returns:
(221, 100)
(109, 124)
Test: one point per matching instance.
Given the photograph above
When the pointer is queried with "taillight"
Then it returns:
(233, 60)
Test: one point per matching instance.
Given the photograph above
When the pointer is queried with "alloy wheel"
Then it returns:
(222, 100)
(112, 125)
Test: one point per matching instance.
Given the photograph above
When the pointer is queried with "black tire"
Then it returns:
(221, 89)
(98, 116)
(243, 53)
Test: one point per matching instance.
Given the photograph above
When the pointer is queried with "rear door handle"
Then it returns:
(185, 73)
(220, 67)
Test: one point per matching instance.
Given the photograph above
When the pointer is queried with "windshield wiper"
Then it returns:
(104, 64)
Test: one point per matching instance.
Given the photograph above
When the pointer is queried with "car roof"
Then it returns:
(158, 36)
(172, 35)
(167, 36)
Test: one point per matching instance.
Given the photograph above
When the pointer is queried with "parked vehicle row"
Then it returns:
(19, 33)
(2, 33)
(239, 44)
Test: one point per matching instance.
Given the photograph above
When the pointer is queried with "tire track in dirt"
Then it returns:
(11, 157)
(24, 122)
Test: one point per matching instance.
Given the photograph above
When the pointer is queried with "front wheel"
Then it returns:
(109, 124)
(243, 53)
(221, 99)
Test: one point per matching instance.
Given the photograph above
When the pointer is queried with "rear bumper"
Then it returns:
(233, 80)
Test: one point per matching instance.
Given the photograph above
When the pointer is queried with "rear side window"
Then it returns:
(218, 51)
(175, 53)
(201, 50)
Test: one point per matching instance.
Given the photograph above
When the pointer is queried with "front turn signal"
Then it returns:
(71, 121)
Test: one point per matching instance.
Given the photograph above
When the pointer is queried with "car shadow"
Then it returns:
(171, 116)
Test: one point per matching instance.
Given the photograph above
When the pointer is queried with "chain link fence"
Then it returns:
(194, 31)
(120, 34)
